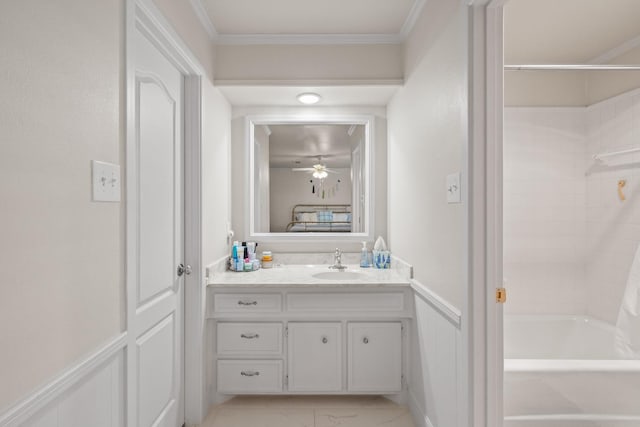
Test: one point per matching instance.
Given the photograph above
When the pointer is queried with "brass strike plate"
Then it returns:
(501, 295)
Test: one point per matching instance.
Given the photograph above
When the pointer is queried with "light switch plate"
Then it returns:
(453, 188)
(106, 181)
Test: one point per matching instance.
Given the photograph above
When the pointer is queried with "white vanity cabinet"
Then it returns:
(295, 340)
(315, 356)
(238, 338)
(374, 356)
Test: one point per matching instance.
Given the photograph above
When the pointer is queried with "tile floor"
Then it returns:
(309, 411)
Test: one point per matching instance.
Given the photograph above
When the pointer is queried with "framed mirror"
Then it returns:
(310, 178)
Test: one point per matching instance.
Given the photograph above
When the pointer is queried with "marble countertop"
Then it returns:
(302, 275)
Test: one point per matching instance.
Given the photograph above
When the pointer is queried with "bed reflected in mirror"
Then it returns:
(309, 178)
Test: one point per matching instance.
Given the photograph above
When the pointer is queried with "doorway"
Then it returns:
(568, 165)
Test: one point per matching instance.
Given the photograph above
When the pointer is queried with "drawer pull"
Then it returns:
(324, 340)
(249, 336)
(250, 373)
(365, 340)
(247, 302)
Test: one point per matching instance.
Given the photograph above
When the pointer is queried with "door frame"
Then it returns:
(145, 15)
(482, 327)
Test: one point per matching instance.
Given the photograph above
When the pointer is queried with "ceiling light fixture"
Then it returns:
(320, 174)
(309, 98)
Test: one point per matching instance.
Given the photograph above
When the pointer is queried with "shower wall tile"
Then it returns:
(613, 225)
(545, 193)
(569, 239)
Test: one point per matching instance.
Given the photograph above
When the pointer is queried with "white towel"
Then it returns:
(627, 340)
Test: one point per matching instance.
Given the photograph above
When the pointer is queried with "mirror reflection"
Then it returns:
(309, 178)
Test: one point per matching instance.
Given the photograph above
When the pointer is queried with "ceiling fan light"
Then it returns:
(320, 174)
(309, 98)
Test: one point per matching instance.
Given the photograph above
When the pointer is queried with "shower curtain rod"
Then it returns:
(571, 67)
(615, 153)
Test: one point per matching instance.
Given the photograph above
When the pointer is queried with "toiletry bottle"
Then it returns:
(234, 255)
(364, 256)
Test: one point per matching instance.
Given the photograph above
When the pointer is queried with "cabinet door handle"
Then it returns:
(365, 340)
(250, 335)
(250, 373)
(325, 340)
(247, 302)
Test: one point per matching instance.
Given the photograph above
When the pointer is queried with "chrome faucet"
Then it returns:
(337, 261)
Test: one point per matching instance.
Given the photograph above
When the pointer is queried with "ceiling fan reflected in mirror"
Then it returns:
(319, 170)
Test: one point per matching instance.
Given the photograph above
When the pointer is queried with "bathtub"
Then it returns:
(563, 371)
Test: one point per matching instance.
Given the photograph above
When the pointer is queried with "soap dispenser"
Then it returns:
(364, 256)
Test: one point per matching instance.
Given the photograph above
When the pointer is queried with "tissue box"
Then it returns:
(381, 259)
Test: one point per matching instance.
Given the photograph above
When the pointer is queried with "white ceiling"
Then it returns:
(285, 96)
(229, 18)
(568, 31)
(308, 16)
(301, 146)
(536, 31)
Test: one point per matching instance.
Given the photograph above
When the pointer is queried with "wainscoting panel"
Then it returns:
(433, 386)
(90, 393)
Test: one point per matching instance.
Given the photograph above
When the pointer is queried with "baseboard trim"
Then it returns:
(28, 407)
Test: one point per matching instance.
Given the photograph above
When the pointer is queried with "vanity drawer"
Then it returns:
(249, 338)
(243, 303)
(374, 302)
(249, 376)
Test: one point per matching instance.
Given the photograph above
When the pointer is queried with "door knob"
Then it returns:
(182, 269)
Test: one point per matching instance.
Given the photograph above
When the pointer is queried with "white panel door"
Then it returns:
(155, 198)
(374, 357)
(315, 357)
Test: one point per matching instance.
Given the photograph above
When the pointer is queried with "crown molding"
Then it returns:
(307, 39)
(412, 17)
(617, 51)
(203, 16)
(310, 83)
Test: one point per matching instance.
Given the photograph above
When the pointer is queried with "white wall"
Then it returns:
(570, 88)
(239, 156)
(428, 136)
(61, 255)
(613, 225)
(544, 214)
(289, 188)
(300, 62)
(216, 173)
(602, 85)
(427, 133)
(545, 88)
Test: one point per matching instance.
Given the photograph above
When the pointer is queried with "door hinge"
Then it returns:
(286, 380)
(501, 295)
(286, 331)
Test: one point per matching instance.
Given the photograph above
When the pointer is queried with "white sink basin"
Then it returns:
(338, 275)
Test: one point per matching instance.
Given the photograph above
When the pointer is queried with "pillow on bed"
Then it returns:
(342, 217)
(307, 217)
(325, 216)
